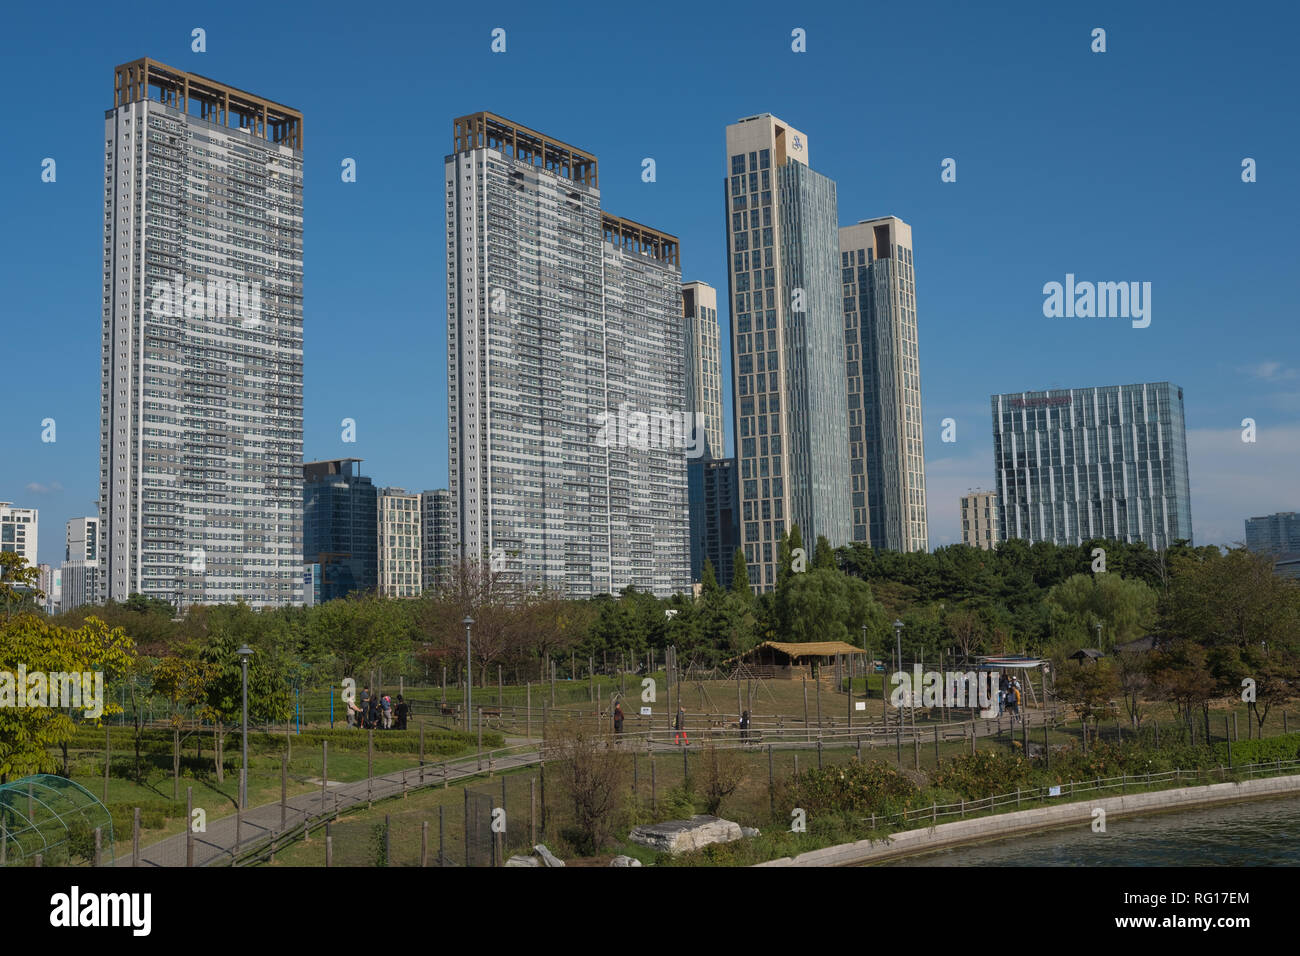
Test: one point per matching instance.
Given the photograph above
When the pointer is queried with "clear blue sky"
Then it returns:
(1120, 166)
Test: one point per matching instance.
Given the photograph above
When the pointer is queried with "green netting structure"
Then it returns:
(54, 817)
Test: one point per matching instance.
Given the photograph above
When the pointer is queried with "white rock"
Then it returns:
(548, 858)
(624, 861)
(679, 836)
(523, 861)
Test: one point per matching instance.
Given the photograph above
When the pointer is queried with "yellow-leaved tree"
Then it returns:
(36, 650)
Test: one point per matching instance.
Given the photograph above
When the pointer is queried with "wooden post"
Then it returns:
(528, 710)
(370, 765)
(1047, 750)
(422, 752)
(284, 789)
(99, 847)
(936, 746)
(771, 782)
(1235, 735)
(916, 751)
(135, 836)
(388, 841)
(424, 844)
(189, 826)
(329, 845)
(498, 685)
(653, 789)
(819, 753)
(805, 704)
(532, 811)
(444, 685)
(819, 702)
(480, 738)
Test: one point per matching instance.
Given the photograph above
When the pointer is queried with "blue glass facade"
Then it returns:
(814, 356)
(715, 513)
(1077, 464)
(340, 527)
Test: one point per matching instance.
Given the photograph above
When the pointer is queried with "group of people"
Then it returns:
(378, 713)
(679, 724)
(1010, 696)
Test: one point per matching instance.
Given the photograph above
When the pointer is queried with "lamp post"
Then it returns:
(898, 642)
(866, 668)
(244, 652)
(1099, 635)
(469, 677)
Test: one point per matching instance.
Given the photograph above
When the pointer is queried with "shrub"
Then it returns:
(853, 788)
(983, 774)
(1270, 749)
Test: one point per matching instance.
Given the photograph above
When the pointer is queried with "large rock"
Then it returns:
(523, 861)
(548, 858)
(679, 836)
(621, 860)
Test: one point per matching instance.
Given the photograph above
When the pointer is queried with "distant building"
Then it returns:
(787, 338)
(883, 367)
(564, 337)
(52, 587)
(400, 569)
(340, 526)
(703, 364)
(1274, 534)
(81, 579)
(311, 585)
(82, 539)
(715, 514)
(436, 552)
(201, 346)
(1076, 464)
(979, 520)
(18, 531)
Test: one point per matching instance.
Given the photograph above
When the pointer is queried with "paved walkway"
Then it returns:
(225, 836)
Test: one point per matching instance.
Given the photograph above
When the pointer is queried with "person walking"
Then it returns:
(744, 726)
(403, 711)
(618, 718)
(681, 726)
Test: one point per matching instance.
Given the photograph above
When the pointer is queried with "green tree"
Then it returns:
(19, 584)
(740, 576)
(38, 646)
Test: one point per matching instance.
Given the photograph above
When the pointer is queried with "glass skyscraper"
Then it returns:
(883, 364)
(340, 526)
(1274, 534)
(201, 400)
(787, 324)
(1077, 464)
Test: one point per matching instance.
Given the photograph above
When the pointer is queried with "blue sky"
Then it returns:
(1115, 166)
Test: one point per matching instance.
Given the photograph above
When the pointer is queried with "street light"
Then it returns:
(898, 641)
(244, 652)
(469, 677)
(1099, 635)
